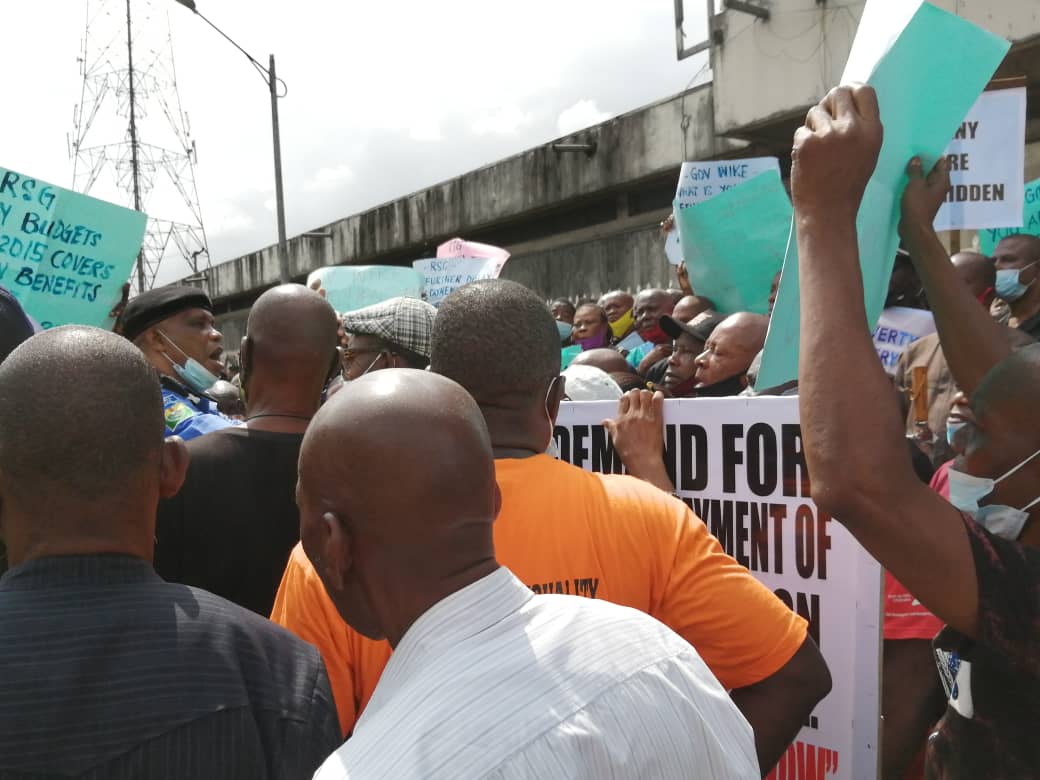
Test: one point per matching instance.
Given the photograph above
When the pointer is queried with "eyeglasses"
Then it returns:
(350, 355)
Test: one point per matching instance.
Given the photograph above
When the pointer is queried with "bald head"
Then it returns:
(81, 442)
(397, 493)
(616, 303)
(609, 360)
(290, 348)
(292, 321)
(731, 347)
(978, 272)
(690, 306)
(649, 307)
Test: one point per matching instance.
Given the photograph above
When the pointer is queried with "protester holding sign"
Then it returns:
(977, 569)
(174, 328)
(563, 530)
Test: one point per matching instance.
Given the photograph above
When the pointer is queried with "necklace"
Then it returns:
(275, 414)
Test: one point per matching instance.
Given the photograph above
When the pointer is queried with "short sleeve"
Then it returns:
(1008, 575)
(741, 629)
(304, 608)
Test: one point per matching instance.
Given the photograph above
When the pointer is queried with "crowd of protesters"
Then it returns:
(332, 561)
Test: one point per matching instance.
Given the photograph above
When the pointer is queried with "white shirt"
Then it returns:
(495, 681)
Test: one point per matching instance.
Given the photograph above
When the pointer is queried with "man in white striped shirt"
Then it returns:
(397, 498)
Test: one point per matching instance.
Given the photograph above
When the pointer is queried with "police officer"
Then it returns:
(174, 328)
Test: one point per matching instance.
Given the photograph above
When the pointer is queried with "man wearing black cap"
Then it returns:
(173, 327)
(701, 342)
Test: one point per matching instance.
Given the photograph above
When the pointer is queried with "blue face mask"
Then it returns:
(195, 375)
(966, 490)
(565, 330)
(1009, 284)
(951, 431)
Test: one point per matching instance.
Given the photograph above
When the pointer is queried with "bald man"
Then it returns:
(721, 369)
(231, 527)
(618, 306)
(606, 359)
(106, 670)
(649, 307)
(562, 529)
(1018, 268)
(401, 537)
(689, 306)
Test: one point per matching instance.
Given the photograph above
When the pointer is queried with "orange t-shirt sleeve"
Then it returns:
(303, 607)
(741, 629)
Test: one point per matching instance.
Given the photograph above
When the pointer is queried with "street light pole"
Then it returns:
(273, 83)
(279, 193)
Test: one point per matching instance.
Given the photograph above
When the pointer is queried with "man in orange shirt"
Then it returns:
(565, 530)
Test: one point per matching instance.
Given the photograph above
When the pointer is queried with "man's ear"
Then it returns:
(555, 395)
(336, 552)
(173, 467)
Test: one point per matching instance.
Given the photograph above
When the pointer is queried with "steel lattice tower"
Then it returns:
(131, 142)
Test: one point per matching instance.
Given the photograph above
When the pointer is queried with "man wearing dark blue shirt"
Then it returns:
(107, 671)
(174, 328)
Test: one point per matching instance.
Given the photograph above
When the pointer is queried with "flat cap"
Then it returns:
(406, 322)
(154, 306)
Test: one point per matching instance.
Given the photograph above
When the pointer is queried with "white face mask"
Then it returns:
(967, 490)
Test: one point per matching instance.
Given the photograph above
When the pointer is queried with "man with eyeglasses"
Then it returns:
(715, 365)
(391, 334)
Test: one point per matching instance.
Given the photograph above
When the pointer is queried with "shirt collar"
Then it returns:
(78, 570)
(455, 619)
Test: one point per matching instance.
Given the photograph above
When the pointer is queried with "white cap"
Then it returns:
(587, 383)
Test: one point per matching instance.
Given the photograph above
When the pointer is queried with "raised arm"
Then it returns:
(854, 444)
(972, 342)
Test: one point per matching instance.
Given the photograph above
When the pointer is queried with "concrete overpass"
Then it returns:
(579, 223)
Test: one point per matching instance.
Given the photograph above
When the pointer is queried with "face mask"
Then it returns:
(1009, 285)
(951, 430)
(724, 389)
(655, 335)
(623, 324)
(195, 375)
(684, 389)
(595, 342)
(966, 490)
(366, 370)
(565, 330)
(551, 448)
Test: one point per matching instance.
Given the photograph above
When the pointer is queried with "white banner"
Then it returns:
(740, 464)
(701, 181)
(987, 165)
(444, 275)
(898, 327)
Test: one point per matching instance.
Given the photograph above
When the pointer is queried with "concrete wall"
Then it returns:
(518, 195)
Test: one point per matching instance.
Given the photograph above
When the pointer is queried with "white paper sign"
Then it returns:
(987, 164)
(443, 275)
(700, 181)
(897, 328)
(740, 464)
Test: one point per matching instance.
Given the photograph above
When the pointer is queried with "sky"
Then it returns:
(384, 98)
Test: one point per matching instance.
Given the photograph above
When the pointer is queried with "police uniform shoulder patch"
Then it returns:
(176, 413)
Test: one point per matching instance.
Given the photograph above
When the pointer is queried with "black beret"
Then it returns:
(152, 307)
(15, 326)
